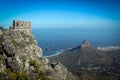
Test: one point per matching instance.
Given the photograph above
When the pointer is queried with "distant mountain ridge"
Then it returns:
(86, 57)
(84, 54)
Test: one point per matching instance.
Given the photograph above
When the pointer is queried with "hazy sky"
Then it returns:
(61, 12)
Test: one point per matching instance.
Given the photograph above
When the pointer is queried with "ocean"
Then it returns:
(59, 39)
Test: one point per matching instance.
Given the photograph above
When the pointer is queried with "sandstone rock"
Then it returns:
(60, 72)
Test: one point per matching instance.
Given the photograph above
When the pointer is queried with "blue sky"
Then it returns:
(52, 13)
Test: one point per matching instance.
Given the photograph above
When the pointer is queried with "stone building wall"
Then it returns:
(23, 26)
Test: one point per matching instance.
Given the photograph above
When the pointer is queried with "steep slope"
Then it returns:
(21, 59)
(19, 55)
(85, 57)
(84, 54)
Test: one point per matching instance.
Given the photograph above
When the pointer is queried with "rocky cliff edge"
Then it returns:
(21, 59)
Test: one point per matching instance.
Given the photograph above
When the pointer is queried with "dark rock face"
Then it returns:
(8, 48)
(87, 58)
(13, 65)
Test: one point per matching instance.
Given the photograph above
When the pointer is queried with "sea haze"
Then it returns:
(69, 37)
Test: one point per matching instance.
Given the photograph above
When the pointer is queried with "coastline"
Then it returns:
(57, 53)
(106, 48)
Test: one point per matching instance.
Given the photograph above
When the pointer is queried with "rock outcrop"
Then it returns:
(21, 58)
(85, 43)
(60, 72)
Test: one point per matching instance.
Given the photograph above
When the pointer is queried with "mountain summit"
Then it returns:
(85, 43)
(85, 57)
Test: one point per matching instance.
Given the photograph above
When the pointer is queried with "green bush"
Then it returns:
(23, 58)
(36, 65)
(1, 58)
(42, 76)
(22, 76)
(17, 76)
(32, 62)
(14, 42)
(11, 75)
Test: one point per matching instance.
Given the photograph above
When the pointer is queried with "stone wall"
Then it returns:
(23, 26)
